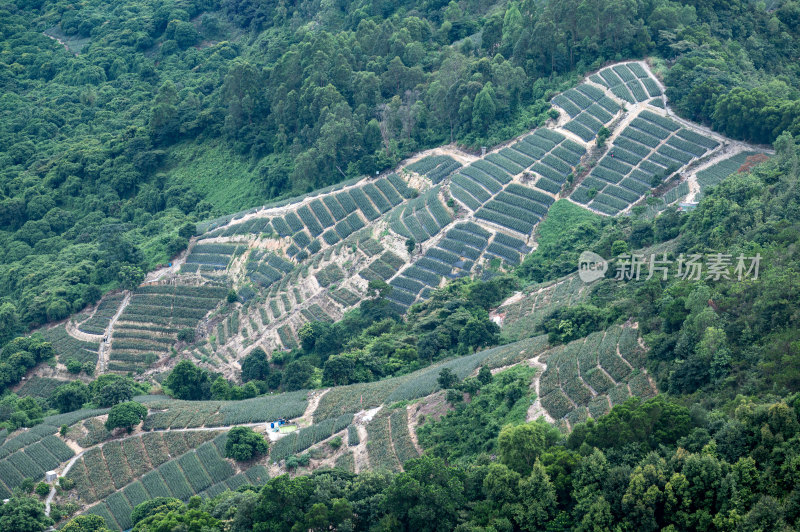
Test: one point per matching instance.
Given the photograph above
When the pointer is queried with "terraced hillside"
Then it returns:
(179, 450)
(436, 218)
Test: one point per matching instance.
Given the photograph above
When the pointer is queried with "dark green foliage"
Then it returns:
(20, 355)
(70, 396)
(24, 514)
(244, 444)
(187, 381)
(126, 415)
(255, 366)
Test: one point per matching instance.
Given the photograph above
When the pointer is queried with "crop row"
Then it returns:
(401, 439)
(589, 121)
(460, 190)
(304, 438)
(482, 178)
(181, 478)
(409, 285)
(505, 163)
(463, 234)
(517, 157)
(579, 129)
(491, 213)
(98, 322)
(496, 173)
(713, 175)
(516, 206)
(547, 185)
(356, 397)
(504, 252)
(344, 297)
(379, 446)
(460, 248)
(67, 347)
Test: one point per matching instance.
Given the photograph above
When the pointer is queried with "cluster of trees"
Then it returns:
(243, 444)
(126, 415)
(731, 68)
(103, 392)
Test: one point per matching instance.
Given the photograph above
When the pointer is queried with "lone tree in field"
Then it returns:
(126, 415)
(447, 378)
(245, 444)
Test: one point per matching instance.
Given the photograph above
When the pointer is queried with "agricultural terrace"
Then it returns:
(99, 319)
(311, 258)
(526, 312)
(150, 322)
(32, 452)
(180, 454)
(122, 474)
(587, 377)
(741, 162)
(364, 396)
(647, 151)
(68, 347)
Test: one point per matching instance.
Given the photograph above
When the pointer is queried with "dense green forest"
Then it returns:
(111, 141)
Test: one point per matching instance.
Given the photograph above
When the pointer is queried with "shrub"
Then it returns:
(186, 335)
(244, 444)
(42, 489)
(73, 366)
(126, 415)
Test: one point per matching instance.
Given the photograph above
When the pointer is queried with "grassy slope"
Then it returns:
(562, 216)
(220, 176)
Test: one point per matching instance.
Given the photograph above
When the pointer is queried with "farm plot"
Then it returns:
(190, 474)
(713, 175)
(401, 439)
(265, 269)
(69, 348)
(591, 372)
(210, 258)
(102, 315)
(628, 81)
(178, 305)
(646, 151)
(379, 445)
(32, 461)
(522, 318)
(589, 109)
(41, 387)
(421, 218)
(356, 397)
(435, 167)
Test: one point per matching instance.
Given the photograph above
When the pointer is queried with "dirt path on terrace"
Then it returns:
(412, 429)
(177, 262)
(102, 359)
(313, 403)
(536, 410)
(450, 150)
(62, 473)
(72, 329)
(725, 153)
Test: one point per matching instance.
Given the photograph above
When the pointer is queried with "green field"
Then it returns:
(223, 178)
